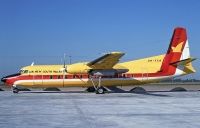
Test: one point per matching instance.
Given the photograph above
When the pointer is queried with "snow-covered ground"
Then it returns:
(88, 110)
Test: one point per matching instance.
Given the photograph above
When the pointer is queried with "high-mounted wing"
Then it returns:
(106, 61)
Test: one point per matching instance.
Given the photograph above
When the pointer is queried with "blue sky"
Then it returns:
(43, 30)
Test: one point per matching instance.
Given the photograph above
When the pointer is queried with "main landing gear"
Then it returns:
(98, 88)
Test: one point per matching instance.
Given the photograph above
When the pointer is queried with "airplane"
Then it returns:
(107, 71)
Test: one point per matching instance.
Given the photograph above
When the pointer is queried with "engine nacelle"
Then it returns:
(81, 68)
(78, 68)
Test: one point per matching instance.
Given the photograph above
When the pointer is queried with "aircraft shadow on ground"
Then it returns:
(143, 93)
(108, 92)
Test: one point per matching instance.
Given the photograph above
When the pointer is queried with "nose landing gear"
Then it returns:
(15, 90)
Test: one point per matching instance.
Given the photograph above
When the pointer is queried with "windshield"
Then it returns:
(23, 71)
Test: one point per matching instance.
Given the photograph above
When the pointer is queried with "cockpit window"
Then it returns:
(23, 71)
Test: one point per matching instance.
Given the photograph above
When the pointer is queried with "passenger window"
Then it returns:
(58, 77)
(124, 75)
(51, 77)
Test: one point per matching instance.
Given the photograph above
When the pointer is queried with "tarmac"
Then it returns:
(37, 109)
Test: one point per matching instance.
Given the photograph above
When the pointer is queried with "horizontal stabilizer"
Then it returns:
(183, 62)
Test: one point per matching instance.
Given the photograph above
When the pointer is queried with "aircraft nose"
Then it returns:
(3, 79)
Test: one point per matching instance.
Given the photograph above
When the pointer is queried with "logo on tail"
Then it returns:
(178, 48)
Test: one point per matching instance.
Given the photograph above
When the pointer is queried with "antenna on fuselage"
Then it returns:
(32, 63)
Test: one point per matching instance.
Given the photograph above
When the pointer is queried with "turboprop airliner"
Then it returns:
(107, 71)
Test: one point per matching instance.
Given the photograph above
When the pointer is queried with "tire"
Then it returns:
(100, 90)
(15, 90)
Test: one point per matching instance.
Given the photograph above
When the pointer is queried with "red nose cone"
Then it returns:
(10, 79)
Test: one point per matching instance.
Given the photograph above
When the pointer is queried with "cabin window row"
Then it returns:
(69, 76)
(81, 76)
(39, 71)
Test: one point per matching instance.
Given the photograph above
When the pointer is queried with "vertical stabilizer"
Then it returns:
(178, 51)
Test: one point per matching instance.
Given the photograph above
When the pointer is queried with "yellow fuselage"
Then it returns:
(54, 76)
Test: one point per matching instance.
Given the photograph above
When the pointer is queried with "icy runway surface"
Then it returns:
(88, 110)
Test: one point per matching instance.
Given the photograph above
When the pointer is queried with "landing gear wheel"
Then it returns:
(100, 90)
(15, 90)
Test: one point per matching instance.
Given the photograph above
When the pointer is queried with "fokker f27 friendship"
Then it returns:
(107, 71)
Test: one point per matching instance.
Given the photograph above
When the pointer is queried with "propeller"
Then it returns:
(64, 61)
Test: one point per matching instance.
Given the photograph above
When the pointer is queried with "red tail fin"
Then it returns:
(175, 50)
(178, 41)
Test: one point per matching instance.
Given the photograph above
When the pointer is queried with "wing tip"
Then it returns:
(121, 53)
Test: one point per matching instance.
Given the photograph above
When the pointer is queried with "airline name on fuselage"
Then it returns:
(41, 71)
